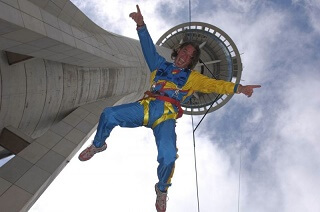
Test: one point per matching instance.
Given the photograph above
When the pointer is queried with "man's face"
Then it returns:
(184, 56)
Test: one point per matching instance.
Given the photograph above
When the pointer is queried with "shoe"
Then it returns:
(90, 151)
(161, 201)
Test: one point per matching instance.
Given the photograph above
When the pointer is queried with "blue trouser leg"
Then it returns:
(167, 152)
(126, 115)
(131, 115)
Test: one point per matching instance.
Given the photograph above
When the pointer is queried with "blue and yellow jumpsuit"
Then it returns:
(160, 108)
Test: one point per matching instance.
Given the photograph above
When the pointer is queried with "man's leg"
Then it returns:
(127, 115)
(167, 152)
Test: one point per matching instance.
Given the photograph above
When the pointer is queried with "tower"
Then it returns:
(58, 72)
(220, 60)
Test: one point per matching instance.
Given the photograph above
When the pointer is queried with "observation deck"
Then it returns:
(220, 56)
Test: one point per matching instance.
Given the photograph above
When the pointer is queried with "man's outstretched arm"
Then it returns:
(153, 59)
(247, 89)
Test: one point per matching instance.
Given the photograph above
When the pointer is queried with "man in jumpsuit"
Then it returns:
(171, 84)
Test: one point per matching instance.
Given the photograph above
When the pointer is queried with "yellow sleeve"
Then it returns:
(201, 83)
(152, 76)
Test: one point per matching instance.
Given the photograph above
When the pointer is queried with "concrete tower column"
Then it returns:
(58, 71)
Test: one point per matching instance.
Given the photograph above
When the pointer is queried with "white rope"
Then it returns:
(240, 161)
(194, 139)
(195, 161)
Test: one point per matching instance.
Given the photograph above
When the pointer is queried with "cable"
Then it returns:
(193, 132)
(195, 162)
(189, 14)
(241, 136)
(195, 128)
(206, 112)
(240, 163)
(215, 77)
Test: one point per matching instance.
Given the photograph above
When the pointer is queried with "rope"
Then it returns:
(189, 14)
(206, 112)
(241, 137)
(195, 162)
(194, 149)
(239, 178)
(193, 133)
(195, 128)
(194, 143)
(215, 77)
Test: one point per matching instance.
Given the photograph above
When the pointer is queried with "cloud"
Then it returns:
(278, 125)
(294, 146)
(113, 16)
(311, 10)
(275, 131)
(5, 160)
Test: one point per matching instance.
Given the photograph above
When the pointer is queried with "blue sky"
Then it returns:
(276, 131)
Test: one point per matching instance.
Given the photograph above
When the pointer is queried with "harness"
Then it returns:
(170, 96)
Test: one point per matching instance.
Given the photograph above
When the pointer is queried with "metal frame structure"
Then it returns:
(220, 56)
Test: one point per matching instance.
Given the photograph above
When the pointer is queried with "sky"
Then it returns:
(267, 143)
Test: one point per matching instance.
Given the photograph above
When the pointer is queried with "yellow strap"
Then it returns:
(145, 103)
(163, 118)
(167, 108)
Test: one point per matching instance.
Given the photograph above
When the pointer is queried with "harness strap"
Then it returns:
(163, 118)
(168, 107)
(172, 101)
(145, 102)
(166, 99)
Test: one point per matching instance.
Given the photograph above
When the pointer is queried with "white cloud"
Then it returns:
(278, 128)
(122, 178)
(114, 15)
(284, 173)
(5, 160)
(312, 10)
